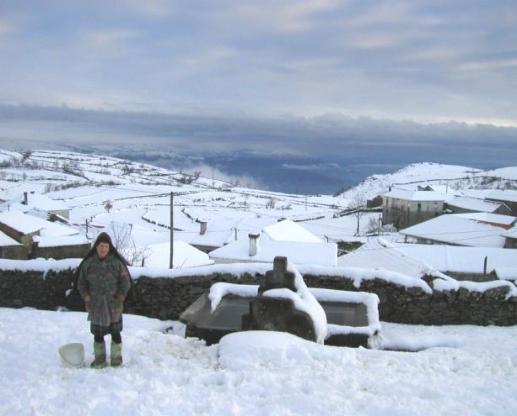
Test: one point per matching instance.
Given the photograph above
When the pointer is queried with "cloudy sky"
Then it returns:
(335, 82)
(424, 61)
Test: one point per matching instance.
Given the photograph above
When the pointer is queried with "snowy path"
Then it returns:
(254, 373)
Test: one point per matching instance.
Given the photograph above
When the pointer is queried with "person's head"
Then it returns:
(103, 245)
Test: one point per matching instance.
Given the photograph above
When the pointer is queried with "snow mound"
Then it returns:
(267, 349)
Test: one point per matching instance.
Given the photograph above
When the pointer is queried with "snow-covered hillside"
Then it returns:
(441, 177)
(132, 199)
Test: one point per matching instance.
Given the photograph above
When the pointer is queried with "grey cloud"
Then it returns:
(393, 59)
(289, 135)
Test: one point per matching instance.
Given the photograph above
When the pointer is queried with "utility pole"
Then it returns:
(171, 256)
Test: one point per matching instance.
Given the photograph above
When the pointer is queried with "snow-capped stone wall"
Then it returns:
(166, 297)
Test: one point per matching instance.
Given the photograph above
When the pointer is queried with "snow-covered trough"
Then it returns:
(351, 318)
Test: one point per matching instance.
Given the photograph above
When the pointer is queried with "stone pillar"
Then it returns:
(253, 249)
(278, 313)
(202, 226)
(279, 277)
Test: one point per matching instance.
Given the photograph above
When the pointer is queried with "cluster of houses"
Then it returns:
(33, 226)
(430, 217)
(465, 237)
(284, 238)
(468, 237)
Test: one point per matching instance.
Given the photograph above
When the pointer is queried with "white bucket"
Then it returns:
(72, 354)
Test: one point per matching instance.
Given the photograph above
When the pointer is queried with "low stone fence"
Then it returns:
(167, 297)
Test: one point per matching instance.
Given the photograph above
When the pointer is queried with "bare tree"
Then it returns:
(121, 235)
(357, 205)
(26, 155)
(108, 205)
(373, 226)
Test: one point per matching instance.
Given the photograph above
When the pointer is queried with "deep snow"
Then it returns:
(467, 370)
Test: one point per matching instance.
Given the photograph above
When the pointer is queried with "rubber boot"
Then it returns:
(116, 354)
(99, 349)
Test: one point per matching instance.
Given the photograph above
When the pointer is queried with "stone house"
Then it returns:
(13, 225)
(508, 197)
(41, 238)
(285, 238)
(418, 260)
(64, 247)
(463, 204)
(404, 208)
(42, 205)
(510, 238)
(478, 229)
(11, 249)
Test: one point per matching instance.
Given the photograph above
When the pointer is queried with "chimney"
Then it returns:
(202, 226)
(25, 199)
(253, 244)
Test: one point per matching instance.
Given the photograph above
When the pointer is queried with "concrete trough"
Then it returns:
(352, 317)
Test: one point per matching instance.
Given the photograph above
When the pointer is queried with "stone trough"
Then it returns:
(352, 318)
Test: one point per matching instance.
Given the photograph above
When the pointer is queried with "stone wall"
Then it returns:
(14, 252)
(166, 298)
(77, 251)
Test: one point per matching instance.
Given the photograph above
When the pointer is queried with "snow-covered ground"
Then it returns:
(465, 370)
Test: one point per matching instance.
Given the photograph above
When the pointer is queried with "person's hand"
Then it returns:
(87, 301)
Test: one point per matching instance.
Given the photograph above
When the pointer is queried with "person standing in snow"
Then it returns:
(103, 283)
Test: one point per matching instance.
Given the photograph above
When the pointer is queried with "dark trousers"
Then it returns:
(100, 331)
(115, 337)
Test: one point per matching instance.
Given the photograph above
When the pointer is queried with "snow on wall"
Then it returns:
(444, 285)
(359, 274)
(371, 300)
(221, 289)
(239, 269)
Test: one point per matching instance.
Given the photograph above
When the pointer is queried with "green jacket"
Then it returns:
(103, 281)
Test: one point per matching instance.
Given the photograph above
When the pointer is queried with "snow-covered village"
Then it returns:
(276, 207)
(411, 297)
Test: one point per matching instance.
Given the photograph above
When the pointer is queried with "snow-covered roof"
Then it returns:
(472, 229)
(6, 241)
(27, 224)
(213, 238)
(43, 202)
(377, 254)
(511, 233)
(415, 195)
(184, 255)
(58, 241)
(474, 204)
(506, 273)
(503, 220)
(461, 259)
(288, 230)
(297, 252)
(503, 195)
